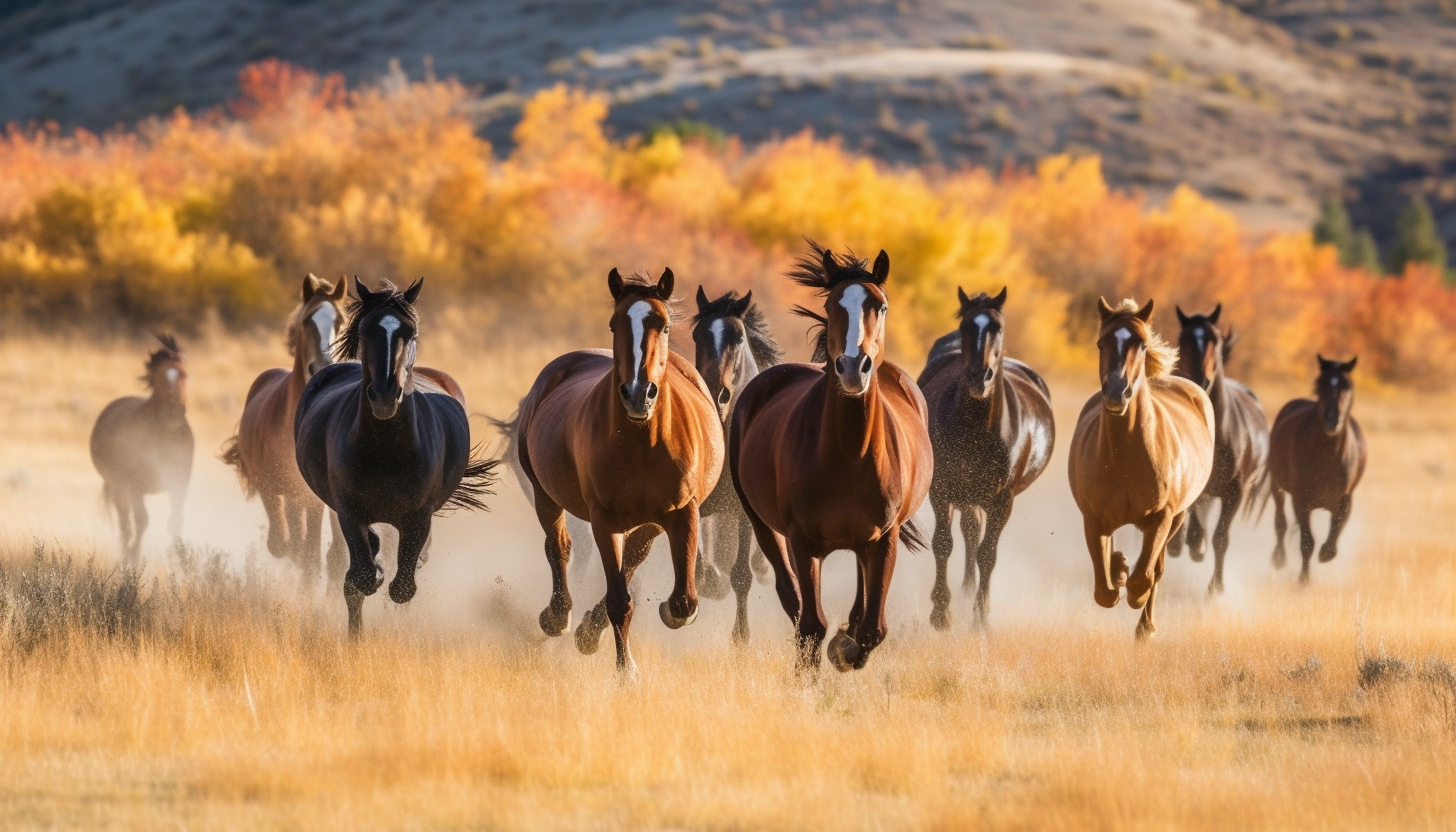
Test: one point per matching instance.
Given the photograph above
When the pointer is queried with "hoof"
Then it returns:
(843, 652)
(1144, 632)
(761, 571)
(1139, 590)
(1119, 570)
(1106, 597)
(711, 583)
(400, 592)
(363, 581)
(740, 634)
(1215, 588)
(588, 637)
(1327, 554)
(673, 622)
(554, 620)
(1196, 553)
(1279, 558)
(940, 618)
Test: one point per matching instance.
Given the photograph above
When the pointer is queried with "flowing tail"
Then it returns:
(1261, 489)
(511, 429)
(475, 485)
(232, 455)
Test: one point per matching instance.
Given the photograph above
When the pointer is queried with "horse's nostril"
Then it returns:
(990, 373)
(724, 395)
(622, 390)
(865, 364)
(651, 390)
(1127, 394)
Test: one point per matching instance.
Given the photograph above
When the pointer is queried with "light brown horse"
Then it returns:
(1317, 457)
(629, 441)
(834, 455)
(143, 446)
(1141, 454)
(262, 452)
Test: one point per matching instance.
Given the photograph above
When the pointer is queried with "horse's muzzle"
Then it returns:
(639, 400)
(1116, 396)
(854, 373)
(384, 403)
(978, 381)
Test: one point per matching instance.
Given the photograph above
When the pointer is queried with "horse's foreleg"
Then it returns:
(742, 574)
(1306, 540)
(414, 533)
(557, 616)
(776, 551)
(1281, 528)
(996, 518)
(1109, 569)
(1195, 533)
(877, 566)
(1156, 530)
(139, 520)
(812, 626)
(1338, 518)
(277, 524)
(1146, 628)
(364, 574)
(619, 599)
(940, 546)
(1228, 509)
(973, 532)
(708, 575)
(635, 547)
(681, 608)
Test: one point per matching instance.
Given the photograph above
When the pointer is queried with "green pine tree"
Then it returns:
(1333, 228)
(1416, 238)
(1365, 253)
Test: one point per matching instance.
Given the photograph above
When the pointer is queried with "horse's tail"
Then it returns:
(912, 536)
(475, 484)
(233, 455)
(1261, 489)
(510, 428)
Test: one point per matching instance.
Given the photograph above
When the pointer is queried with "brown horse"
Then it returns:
(629, 441)
(1140, 456)
(834, 455)
(143, 446)
(1317, 457)
(1240, 475)
(262, 451)
(991, 427)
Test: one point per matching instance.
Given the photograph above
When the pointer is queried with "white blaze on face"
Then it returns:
(981, 321)
(853, 301)
(1122, 336)
(172, 373)
(637, 313)
(323, 320)
(390, 325)
(1198, 342)
(717, 329)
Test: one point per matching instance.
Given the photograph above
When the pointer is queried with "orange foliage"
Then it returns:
(221, 211)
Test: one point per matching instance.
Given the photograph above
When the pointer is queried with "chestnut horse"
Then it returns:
(380, 442)
(1141, 454)
(1240, 475)
(1317, 457)
(991, 428)
(143, 446)
(629, 441)
(834, 455)
(732, 345)
(262, 451)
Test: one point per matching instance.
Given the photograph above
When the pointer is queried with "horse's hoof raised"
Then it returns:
(401, 592)
(588, 638)
(363, 581)
(673, 622)
(1145, 631)
(1139, 590)
(1106, 597)
(1119, 570)
(1327, 554)
(843, 652)
(555, 620)
(711, 584)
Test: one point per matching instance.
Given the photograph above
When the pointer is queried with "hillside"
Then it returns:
(1265, 105)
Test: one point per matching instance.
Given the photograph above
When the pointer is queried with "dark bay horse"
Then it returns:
(628, 440)
(1317, 457)
(381, 441)
(731, 345)
(991, 428)
(1141, 454)
(1241, 450)
(834, 455)
(143, 446)
(262, 452)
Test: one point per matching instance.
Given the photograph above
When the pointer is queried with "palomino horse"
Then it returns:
(1141, 454)
(991, 427)
(629, 441)
(1240, 476)
(379, 442)
(143, 446)
(262, 451)
(1317, 457)
(732, 345)
(834, 455)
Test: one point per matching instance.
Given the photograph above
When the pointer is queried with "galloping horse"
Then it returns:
(142, 446)
(379, 441)
(834, 455)
(732, 346)
(1141, 454)
(262, 451)
(628, 440)
(1317, 457)
(1241, 449)
(991, 428)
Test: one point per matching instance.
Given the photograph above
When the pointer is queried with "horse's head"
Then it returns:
(167, 372)
(983, 340)
(641, 325)
(382, 334)
(1130, 351)
(1202, 347)
(316, 322)
(1335, 392)
(720, 343)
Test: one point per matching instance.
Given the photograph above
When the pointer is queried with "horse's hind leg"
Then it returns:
(414, 533)
(1194, 530)
(635, 547)
(852, 648)
(278, 536)
(811, 624)
(1306, 540)
(973, 533)
(312, 513)
(557, 616)
(940, 546)
(364, 575)
(1338, 518)
(742, 574)
(140, 519)
(619, 599)
(708, 574)
(775, 551)
(1228, 509)
(996, 518)
(1281, 528)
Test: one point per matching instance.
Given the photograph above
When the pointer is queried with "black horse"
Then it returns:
(1241, 448)
(381, 441)
(992, 432)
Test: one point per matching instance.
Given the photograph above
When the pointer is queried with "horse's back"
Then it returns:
(945, 352)
(431, 380)
(1035, 428)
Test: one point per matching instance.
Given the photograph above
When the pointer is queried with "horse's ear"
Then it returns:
(363, 294)
(1103, 309)
(1000, 300)
(1323, 362)
(830, 264)
(740, 306)
(1213, 316)
(614, 283)
(1349, 366)
(665, 284)
(310, 285)
(1182, 318)
(413, 291)
(1146, 313)
(963, 297)
(882, 267)
(702, 299)
(340, 291)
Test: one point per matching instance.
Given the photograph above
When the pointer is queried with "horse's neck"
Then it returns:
(849, 424)
(298, 379)
(988, 412)
(166, 411)
(1218, 393)
(747, 369)
(1136, 426)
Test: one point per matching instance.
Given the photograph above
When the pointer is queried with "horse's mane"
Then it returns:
(812, 271)
(1161, 357)
(766, 352)
(170, 351)
(347, 347)
(639, 285)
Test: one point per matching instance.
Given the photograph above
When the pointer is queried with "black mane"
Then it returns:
(766, 352)
(639, 285)
(347, 347)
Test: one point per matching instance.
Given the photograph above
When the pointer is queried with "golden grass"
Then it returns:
(235, 702)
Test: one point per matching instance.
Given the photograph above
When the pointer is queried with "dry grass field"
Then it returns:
(217, 693)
